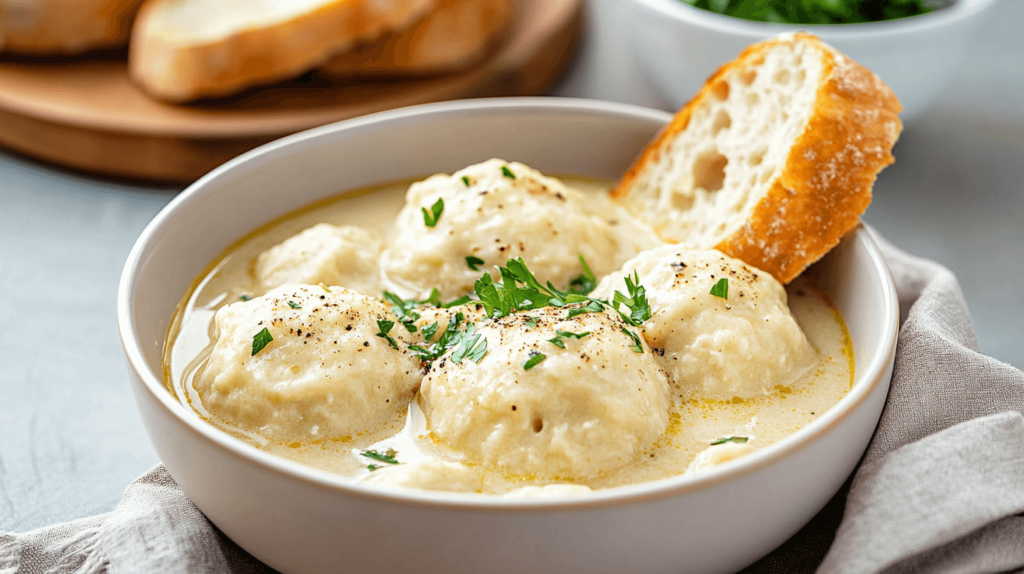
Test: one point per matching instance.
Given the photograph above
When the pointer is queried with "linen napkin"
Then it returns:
(938, 490)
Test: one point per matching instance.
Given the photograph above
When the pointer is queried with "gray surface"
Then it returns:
(71, 441)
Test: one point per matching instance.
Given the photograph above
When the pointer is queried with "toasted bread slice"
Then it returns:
(64, 27)
(184, 50)
(773, 161)
(455, 35)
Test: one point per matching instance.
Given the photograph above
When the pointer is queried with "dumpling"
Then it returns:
(742, 345)
(718, 454)
(493, 212)
(325, 374)
(588, 404)
(428, 475)
(328, 254)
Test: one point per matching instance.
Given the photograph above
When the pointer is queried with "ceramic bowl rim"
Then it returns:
(865, 382)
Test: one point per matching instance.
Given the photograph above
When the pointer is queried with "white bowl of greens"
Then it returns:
(679, 43)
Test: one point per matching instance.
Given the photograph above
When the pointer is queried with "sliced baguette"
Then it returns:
(64, 27)
(773, 160)
(455, 35)
(183, 50)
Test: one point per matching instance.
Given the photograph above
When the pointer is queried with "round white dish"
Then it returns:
(299, 519)
(679, 46)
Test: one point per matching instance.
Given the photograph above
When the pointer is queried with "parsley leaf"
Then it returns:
(433, 299)
(294, 305)
(244, 298)
(372, 467)
(465, 180)
(637, 345)
(470, 345)
(385, 328)
(586, 282)
(260, 340)
(534, 360)
(636, 302)
(448, 339)
(460, 301)
(725, 439)
(404, 309)
(532, 322)
(430, 218)
(472, 262)
(505, 171)
(592, 306)
(557, 341)
(721, 289)
(388, 456)
(429, 331)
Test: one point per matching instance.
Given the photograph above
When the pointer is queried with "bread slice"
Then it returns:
(64, 27)
(184, 50)
(455, 35)
(773, 160)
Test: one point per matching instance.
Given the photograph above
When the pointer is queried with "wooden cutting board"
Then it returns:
(86, 114)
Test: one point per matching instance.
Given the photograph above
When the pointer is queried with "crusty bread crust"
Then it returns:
(455, 35)
(64, 27)
(174, 70)
(829, 171)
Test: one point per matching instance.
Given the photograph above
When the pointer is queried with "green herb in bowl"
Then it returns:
(818, 11)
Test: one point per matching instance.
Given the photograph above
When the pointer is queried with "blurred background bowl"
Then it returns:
(678, 46)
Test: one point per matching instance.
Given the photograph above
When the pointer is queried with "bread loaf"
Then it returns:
(455, 35)
(183, 50)
(64, 27)
(773, 160)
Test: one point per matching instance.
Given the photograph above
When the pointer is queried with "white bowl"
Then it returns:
(299, 519)
(679, 46)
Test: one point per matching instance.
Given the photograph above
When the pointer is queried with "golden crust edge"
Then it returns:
(166, 69)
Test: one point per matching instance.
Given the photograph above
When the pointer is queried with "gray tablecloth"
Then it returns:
(939, 489)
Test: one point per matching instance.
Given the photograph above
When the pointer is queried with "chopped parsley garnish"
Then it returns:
(430, 217)
(557, 341)
(385, 328)
(429, 331)
(465, 180)
(460, 301)
(324, 287)
(590, 307)
(372, 467)
(244, 298)
(470, 346)
(404, 309)
(586, 282)
(725, 439)
(636, 302)
(433, 299)
(637, 345)
(534, 360)
(532, 322)
(448, 339)
(721, 289)
(472, 262)
(388, 456)
(260, 340)
(294, 305)
(505, 171)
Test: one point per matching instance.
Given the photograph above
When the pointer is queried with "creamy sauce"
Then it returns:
(694, 423)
